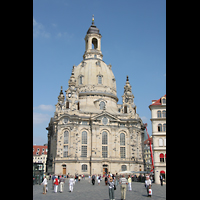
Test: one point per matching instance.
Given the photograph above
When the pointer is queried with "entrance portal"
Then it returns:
(105, 169)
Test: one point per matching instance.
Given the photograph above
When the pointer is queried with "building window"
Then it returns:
(104, 142)
(65, 151)
(66, 137)
(160, 142)
(99, 79)
(81, 80)
(163, 101)
(102, 105)
(122, 139)
(94, 43)
(105, 120)
(83, 151)
(84, 168)
(104, 151)
(84, 137)
(159, 114)
(38, 149)
(159, 127)
(104, 138)
(165, 142)
(124, 167)
(163, 113)
(161, 157)
(122, 152)
(164, 127)
(67, 104)
(33, 149)
(125, 109)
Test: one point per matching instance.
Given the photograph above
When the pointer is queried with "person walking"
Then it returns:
(62, 181)
(93, 179)
(129, 183)
(147, 184)
(44, 185)
(161, 180)
(71, 184)
(123, 182)
(56, 184)
(53, 177)
(111, 188)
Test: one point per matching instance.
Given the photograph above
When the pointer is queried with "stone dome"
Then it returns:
(96, 77)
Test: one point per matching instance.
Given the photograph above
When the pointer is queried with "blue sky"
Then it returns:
(133, 42)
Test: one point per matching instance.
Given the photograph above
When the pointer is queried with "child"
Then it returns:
(150, 191)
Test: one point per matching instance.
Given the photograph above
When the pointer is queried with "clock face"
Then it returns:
(69, 95)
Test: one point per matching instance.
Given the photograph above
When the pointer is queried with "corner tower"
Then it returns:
(93, 43)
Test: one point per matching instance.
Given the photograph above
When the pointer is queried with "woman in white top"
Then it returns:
(44, 185)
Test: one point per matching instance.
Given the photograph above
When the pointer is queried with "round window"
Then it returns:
(105, 120)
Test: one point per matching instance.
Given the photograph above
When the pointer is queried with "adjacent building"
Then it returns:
(158, 119)
(90, 133)
(147, 154)
(40, 156)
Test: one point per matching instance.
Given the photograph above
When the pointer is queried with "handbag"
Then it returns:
(115, 187)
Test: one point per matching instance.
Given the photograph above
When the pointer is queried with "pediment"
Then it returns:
(105, 114)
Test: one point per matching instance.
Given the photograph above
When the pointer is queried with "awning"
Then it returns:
(161, 155)
(162, 172)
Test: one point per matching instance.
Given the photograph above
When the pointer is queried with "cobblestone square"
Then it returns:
(84, 190)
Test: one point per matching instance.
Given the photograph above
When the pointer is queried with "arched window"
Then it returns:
(99, 79)
(94, 43)
(158, 113)
(161, 157)
(84, 137)
(164, 127)
(66, 137)
(81, 79)
(84, 168)
(159, 127)
(102, 105)
(163, 113)
(160, 142)
(122, 139)
(104, 137)
(104, 144)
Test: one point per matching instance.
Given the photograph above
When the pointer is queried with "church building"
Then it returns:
(90, 133)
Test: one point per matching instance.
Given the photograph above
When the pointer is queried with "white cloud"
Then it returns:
(144, 118)
(39, 30)
(39, 118)
(46, 107)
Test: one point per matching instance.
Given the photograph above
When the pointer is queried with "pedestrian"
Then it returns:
(89, 178)
(150, 191)
(129, 183)
(147, 183)
(99, 179)
(106, 180)
(56, 184)
(116, 179)
(71, 184)
(44, 185)
(53, 177)
(62, 181)
(93, 179)
(123, 182)
(111, 184)
(161, 180)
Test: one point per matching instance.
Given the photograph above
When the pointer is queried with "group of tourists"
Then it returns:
(111, 181)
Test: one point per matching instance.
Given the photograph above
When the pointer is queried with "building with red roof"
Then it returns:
(158, 120)
(40, 155)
